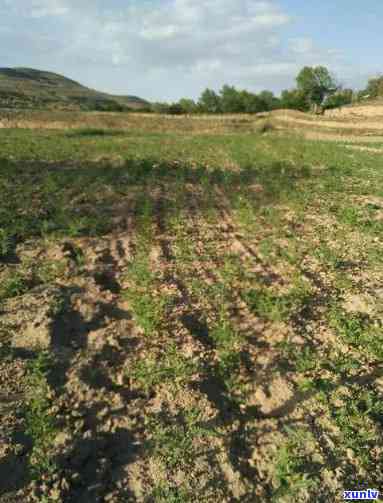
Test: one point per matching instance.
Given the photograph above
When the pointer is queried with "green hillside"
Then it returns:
(36, 89)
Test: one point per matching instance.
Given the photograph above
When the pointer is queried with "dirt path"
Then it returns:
(319, 135)
(319, 122)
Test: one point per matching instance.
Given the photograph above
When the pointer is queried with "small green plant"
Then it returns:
(224, 336)
(39, 420)
(58, 306)
(304, 359)
(267, 305)
(244, 211)
(267, 249)
(231, 270)
(342, 364)
(165, 493)
(48, 271)
(148, 308)
(273, 307)
(359, 331)
(292, 475)
(171, 367)
(144, 216)
(228, 344)
(318, 385)
(328, 255)
(350, 216)
(184, 248)
(173, 441)
(15, 284)
(79, 258)
(358, 415)
(5, 243)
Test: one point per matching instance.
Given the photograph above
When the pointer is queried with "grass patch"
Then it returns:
(359, 331)
(40, 421)
(13, 285)
(242, 229)
(279, 307)
(171, 367)
(294, 477)
(174, 439)
(147, 306)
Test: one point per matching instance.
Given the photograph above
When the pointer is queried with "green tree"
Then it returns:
(210, 102)
(160, 108)
(375, 87)
(294, 99)
(252, 103)
(339, 99)
(188, 106)
(231, 100)
(317, 84)
(270, 101)
(175, 109)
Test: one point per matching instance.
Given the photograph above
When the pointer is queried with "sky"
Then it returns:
(163, 50)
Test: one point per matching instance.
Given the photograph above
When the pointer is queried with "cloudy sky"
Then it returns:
(168, 49)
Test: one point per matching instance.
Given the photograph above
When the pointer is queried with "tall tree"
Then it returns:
(231, 100)
(375, 87)
(339, 99)
(210, 102)
(316, 83)
(188, 106)
(294, 100)
(270, 101)
(252, 103)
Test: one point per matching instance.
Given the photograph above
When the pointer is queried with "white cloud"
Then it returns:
(43, 8)
(161, 32)
(301, 45)
(166, 48)
(275, 69)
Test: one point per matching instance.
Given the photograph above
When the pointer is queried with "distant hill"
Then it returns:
(27, 88)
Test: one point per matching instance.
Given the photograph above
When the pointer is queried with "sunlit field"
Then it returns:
(190, 311)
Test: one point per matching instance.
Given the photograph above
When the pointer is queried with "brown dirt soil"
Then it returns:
(102, 411)
(114, 431)
(371, 110)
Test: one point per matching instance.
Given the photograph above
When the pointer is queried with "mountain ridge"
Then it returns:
(30, 88)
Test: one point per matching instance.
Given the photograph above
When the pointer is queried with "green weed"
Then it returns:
(14, 284)
(40, 422)
(277, 308)
(171, 367)
(165, 493)
(49, 271)
(304, 359)
(358, 418)
(148, 311)
(359, 331)
(5, 243)
(174, 442)
(293, 476)
(148, 308)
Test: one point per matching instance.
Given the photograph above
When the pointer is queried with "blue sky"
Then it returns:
(350, 26)
(168, 49)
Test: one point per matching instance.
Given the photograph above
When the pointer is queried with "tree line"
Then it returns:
(316, 90)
